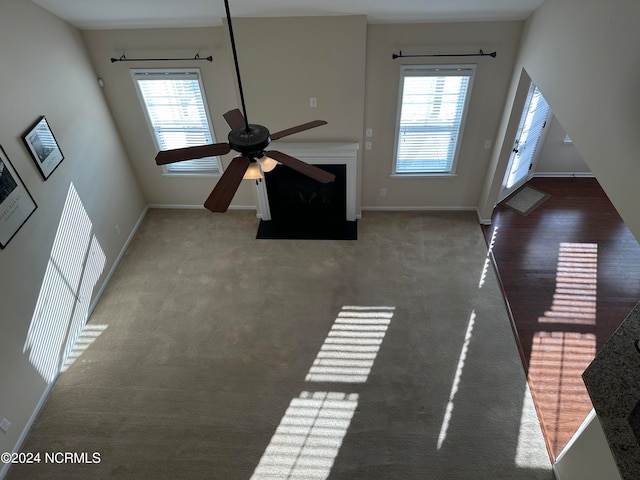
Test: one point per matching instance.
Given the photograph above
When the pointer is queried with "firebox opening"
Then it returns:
(305, 208)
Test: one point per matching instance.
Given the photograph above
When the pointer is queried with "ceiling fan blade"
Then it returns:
(234, 119)
(226, 187)
(311, 171)
(191, 153)
(299, 128)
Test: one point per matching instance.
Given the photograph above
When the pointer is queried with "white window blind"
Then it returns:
(431, 115)
(176, 110)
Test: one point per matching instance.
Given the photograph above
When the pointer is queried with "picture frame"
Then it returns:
(43, 147)
(16, 203)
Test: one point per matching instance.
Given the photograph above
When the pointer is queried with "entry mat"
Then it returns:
(526, 200)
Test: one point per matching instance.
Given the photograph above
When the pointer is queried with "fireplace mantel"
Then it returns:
(326, 153)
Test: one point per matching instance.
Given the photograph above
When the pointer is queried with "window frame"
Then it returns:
(417, 70)
(216, 167)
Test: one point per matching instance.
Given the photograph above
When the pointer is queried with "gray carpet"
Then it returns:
(207, 338)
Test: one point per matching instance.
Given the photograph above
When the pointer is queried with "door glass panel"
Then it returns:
(530, 131)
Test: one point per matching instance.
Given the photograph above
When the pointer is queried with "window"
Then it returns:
(432, 106)
(175, 107)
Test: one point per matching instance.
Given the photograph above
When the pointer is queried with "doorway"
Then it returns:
(529, 136)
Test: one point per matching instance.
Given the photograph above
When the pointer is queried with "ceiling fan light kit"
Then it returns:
(267, 164)
(250, 141)
(253, 172)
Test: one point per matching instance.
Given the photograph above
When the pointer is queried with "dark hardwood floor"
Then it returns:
(570, 271)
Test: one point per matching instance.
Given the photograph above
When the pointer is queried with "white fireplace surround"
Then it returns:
(326, 153)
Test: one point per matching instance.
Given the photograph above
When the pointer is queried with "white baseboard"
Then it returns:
(418, 209)
(564, 174)
(556, 473)
(583, 426)
(243, 207)
(117, 261)
(25, 431)
(482, 221)
(198, 207)
(176, 206)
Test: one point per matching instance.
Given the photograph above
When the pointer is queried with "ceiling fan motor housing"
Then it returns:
(249, 142)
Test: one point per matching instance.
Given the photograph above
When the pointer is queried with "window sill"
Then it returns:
(191, 174)
(422, 175)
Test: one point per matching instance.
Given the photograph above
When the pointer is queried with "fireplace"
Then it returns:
(294, 197)
(291, 202)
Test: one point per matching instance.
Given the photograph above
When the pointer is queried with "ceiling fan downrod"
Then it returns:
(235, 60)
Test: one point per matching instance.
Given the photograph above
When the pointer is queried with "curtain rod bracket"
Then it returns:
(480, 54)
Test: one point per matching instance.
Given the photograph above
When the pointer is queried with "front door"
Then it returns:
(534, 120)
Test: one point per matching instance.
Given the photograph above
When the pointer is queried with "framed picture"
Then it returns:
(16, 203)
(43, 147)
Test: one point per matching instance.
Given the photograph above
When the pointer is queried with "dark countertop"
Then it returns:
(613, 383)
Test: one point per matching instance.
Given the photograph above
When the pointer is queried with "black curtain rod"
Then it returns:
(481, 54)
(123, 58)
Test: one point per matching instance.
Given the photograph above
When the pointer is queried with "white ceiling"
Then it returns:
(98, 14)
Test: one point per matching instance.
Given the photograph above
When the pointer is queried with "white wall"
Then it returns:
(285, 61)
(46, 71)
(587, 456)
(558, 158)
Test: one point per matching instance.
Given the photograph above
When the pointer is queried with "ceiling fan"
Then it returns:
(250, 141)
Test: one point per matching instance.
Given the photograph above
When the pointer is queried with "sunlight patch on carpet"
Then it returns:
(456, 381)
(530, 451)
(487, 260)
(89, 334)
(350, 349)
(307, 441)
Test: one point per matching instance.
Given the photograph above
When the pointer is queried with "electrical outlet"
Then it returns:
(118, 229)
(367, 145)
(368, 132)
(487, 144)
(313, 102)
(5, 424)
(383, 192)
